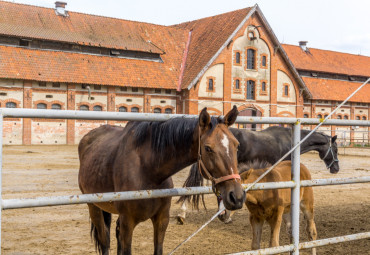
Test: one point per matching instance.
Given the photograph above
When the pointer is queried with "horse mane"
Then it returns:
(174, 135)
(255, 164)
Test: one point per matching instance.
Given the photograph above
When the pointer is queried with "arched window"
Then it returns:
(357, 117)
(345, 117)
(11, 105)
(134, 109)
(363, 117)
(41, 106)
(319, 116)
(168, 110)
(250, 90)
(84, 107)
(325, 116)
(237, 84)
(97, 108)
(339, 117)
(286, 90)
(157, 110)
(122, 109)
(264, 61)
(56, 107)
(210, 84)
(237, 57)
(251, 57)
(263, 86)
(305, 115)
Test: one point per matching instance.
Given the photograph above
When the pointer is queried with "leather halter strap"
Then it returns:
(215, 181)
(330, 149)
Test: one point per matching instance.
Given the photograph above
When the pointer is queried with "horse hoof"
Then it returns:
(228, 221)
(180, 220)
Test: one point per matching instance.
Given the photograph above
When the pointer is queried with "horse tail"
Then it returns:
(101, 245)
(194, 179)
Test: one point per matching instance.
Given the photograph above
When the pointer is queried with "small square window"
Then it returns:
(24, 42)
(56, 85)
(168, 91)
(157, 91)
(123, 89)
(42, 84)
(135, 90)
(97, 87)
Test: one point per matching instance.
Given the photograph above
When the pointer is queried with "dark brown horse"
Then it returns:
(144, 155)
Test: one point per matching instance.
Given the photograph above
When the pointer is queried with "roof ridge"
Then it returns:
(82, 13)
(357, 55)
(221, 14)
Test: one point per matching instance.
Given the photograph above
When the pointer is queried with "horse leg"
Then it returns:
(125, 231)
(275, 224)
(160, 222)
(181, 216)
(308, 212)
(100, 228)
(119, 247)
(257, 224)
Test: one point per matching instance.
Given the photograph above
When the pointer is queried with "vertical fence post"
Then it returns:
(296, 190)
(1, 170)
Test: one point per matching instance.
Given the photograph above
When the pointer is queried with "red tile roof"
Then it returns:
(337, 90)
(42, 23)
(27, 21)
(56, 66)
(328, 61)
(208, 35)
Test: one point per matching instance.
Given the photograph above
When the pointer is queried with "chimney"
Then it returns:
(303, 45)
(60, 8)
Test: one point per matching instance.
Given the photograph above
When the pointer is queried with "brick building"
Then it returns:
(58, 59)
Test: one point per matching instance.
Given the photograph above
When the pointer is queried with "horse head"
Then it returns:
(217, 157)
(329, 154)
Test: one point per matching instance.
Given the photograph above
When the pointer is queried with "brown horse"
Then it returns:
(144, 155)
(274, 205)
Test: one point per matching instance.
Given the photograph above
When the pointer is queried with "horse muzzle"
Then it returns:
(233, 195)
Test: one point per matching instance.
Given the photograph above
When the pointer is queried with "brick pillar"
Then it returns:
(27, 103)
(111, 102)
(71, 105)
(273, 87)
(192, 103)
(299, 108)
(313, 112)
(227, 84)
(332, 127)
(179, 102)
(352, 117)
(147, 101)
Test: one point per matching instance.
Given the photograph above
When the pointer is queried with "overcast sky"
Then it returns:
(336, 25)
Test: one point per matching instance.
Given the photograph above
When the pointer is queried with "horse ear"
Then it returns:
(333, 139)
(230, 117)
(204, 119)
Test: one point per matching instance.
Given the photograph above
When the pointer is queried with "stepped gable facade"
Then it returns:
(59, 59)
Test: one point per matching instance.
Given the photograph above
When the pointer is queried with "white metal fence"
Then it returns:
(132, 195)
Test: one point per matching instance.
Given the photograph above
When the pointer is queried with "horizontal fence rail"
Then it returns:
(307, 245)
(129, 116)
(147, 194)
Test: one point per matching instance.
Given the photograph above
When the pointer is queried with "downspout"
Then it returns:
(182, 70)
(89, 90)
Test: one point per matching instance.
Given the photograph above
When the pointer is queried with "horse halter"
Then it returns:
(330, 150)
(214, 181)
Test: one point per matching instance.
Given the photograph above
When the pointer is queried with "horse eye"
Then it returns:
(208, 149)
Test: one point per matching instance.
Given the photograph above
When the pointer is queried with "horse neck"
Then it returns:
(180, 158)
(315, 142)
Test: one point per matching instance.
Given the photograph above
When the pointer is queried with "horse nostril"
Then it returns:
(232, 198)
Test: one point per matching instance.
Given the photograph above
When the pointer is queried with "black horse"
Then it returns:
(267, 145)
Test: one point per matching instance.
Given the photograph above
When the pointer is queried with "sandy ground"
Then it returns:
(31, 171)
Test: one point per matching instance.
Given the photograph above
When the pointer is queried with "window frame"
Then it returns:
(251, 90)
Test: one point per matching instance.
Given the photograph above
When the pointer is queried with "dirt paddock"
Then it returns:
(31, 171)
